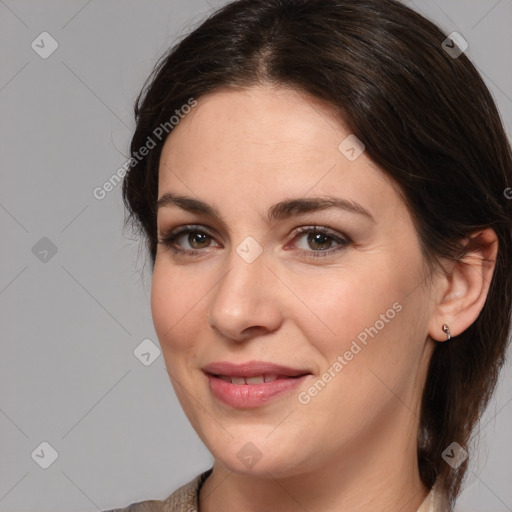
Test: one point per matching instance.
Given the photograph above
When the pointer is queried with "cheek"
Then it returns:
(345, 302)
(175, 305)
(374, 316)
(175, 311)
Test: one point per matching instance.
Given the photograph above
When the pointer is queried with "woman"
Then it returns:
(321, 187)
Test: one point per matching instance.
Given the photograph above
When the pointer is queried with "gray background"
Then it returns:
(70, 323)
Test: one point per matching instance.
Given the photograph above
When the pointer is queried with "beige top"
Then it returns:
(185, 499)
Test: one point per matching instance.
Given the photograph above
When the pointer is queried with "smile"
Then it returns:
(260, 379)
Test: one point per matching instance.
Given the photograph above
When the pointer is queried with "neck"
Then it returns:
(378, 472)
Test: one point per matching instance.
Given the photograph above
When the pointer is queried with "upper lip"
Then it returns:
(251, 369)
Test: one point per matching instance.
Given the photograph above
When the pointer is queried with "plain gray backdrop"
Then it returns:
(74, 294)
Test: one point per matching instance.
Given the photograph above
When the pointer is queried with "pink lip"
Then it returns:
(244, 396)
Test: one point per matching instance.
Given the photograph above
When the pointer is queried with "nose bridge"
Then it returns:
(245, 296)
(244, 283)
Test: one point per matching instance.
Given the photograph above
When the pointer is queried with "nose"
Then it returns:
(246, 302)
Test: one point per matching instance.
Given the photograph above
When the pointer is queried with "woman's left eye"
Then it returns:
(320, 239)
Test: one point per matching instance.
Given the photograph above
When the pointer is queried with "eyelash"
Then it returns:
(169, 238)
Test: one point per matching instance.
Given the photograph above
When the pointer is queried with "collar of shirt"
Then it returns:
(185, 498)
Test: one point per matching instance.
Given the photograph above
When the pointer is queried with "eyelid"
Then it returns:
(341, 239)
(168, 238)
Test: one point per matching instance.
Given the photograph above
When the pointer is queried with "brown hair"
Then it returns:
(426, 118)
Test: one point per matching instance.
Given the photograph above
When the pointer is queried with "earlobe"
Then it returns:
(462, 291)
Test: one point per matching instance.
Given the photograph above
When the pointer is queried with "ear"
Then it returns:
(461, 291)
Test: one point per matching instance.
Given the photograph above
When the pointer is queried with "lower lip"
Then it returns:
(245, 396)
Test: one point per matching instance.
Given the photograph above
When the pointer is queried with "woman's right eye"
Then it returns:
(193, 237)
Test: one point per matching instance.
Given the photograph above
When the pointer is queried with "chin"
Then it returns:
(259, 457)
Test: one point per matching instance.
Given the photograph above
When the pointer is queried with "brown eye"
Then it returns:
(319, 241)
(197, 240)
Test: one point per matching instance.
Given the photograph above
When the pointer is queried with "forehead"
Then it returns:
(259, 143)
(266, 121)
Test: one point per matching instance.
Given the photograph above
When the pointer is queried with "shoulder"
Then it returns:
(183, 499)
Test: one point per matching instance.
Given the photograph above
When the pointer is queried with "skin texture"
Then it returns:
(352, 447)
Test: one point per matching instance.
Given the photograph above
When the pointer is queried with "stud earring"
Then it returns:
(446, 330)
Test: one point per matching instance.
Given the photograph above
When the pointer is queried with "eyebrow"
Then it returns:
(279, 211)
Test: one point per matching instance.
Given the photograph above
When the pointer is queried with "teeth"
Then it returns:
(260, 379)
(255, 380)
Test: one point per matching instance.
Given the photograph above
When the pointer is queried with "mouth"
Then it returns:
(253, 372)
(252, 384)
(259, 379)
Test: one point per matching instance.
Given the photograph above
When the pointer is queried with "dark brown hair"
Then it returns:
(426, 118)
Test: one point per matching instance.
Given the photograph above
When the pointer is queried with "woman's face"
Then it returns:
(345, 310)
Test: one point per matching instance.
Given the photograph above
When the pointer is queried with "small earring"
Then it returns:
(446, 330)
